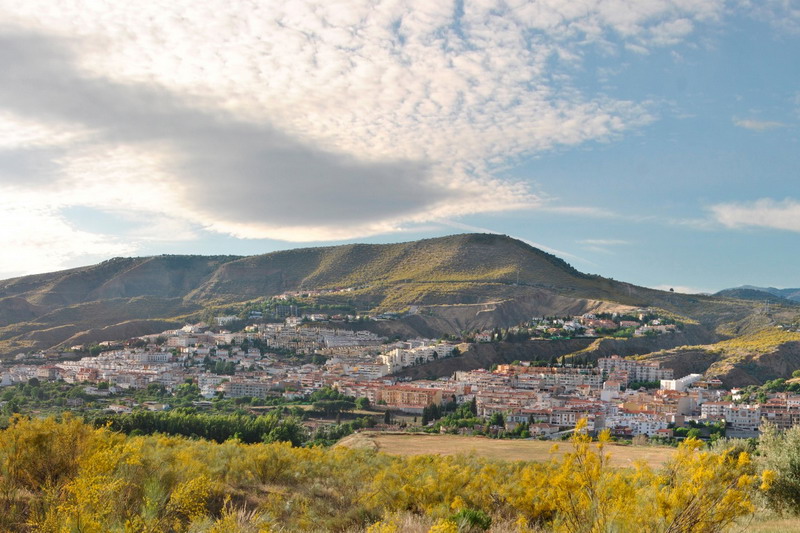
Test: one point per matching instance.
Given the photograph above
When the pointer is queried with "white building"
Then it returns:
(743, 416)
(680, 384)
(636, 370)
(401, 358)
(714, 410)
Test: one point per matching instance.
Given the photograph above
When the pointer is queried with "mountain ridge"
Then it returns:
(789, 294)
(744, 293)
(454, 283)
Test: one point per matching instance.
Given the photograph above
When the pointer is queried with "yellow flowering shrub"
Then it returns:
(67, 476)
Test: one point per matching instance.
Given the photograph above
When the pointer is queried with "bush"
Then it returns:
(68, 476)
(779, 451)
(471, 520)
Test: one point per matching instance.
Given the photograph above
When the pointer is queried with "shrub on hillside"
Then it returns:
(779, 451)
(68, 476)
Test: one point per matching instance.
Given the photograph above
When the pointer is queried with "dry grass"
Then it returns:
(763, 341)
(767, 522)
(507, 450)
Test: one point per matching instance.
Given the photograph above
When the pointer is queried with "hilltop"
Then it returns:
(442, 285)
(788, 294)
(762, 295)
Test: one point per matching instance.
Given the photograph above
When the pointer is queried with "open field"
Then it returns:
(508, 450)
(767, 522)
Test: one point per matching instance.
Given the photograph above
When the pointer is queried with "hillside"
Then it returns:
(789, 294)
(749, 359)
(759, 295)
(454, 283)
(484, 355)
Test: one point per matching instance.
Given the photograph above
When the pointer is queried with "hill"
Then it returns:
(443, 285)
(789, 294)
(760, 295)
(749, 359)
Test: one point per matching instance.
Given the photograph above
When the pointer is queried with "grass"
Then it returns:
(768, 522)
(507, 450)
(763, 341)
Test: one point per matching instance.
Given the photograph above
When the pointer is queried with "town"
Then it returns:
(270, 363)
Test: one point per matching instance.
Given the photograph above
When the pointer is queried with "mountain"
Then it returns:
(789, 294)
(760, 295)
(443, 285)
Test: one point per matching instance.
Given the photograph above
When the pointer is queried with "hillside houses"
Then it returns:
(627, 370)
(284, 360)
(415, 353)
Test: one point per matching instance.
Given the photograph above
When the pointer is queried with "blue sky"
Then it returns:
(652, 141)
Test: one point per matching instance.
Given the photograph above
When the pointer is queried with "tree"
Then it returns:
(779, 451)
(333, 407)
(387, 417)
(362, 403)
(497, 420)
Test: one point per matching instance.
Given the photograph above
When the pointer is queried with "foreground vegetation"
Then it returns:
(69, 476)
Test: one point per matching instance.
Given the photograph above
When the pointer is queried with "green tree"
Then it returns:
(362, 403)
(497, 420)
(333, 407)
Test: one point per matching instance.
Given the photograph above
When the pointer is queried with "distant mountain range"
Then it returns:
(449, 285)
(789, 294)
(771, 294)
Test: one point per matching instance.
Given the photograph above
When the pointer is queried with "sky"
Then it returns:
(650, 141)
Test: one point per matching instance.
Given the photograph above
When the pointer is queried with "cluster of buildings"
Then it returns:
(642, 322)
(551, 399)
(782, 410)
(193, 353)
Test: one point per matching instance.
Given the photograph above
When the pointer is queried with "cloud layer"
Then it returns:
(763, 213)
(758, 125)
(303, 120)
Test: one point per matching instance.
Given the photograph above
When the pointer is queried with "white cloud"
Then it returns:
(758, 125)
(38, 240)
(605, 242)
(307, 120)
(582, 211)
(763, 213)
(603, 246)
(783, 15)
(19, 133)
